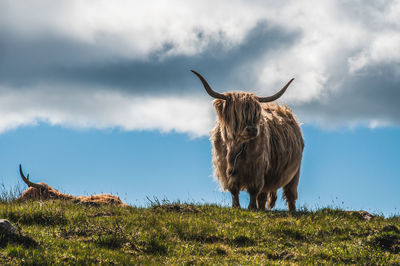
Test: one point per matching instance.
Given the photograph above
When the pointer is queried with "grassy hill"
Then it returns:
(59, 232)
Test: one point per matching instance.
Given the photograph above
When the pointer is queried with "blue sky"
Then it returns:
(100, 99)
(352, 169)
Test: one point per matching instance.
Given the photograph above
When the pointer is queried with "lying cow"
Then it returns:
(42, 191)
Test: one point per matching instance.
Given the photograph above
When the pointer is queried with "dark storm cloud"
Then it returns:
(59, 61)
(373, 95)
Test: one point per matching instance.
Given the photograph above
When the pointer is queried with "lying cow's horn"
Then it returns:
(210, 91)
(26, 180)
(276, 95)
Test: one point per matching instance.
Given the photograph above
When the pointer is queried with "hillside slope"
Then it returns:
(58, 232)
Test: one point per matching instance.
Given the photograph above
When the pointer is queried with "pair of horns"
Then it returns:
(218, 95)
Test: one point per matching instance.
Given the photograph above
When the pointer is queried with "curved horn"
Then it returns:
(26, 180)
(210, 91)
(276, 95)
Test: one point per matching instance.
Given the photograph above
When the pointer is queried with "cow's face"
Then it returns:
(239, 115)
(239, 112)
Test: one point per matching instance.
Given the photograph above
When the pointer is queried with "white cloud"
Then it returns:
(335, 42)
(104, 109)
(377, 123)
(134, 29)
(384, 48)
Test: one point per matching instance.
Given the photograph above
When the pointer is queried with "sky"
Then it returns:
(99, 97)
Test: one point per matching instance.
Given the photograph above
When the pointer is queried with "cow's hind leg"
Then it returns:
(271, 199)
(290, 191)
(261, 200)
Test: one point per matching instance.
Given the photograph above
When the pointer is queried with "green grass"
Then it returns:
(59, 232)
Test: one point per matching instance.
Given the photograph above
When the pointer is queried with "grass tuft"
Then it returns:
(9, 194)
(387, 239)
(40, 213)
(16, 239)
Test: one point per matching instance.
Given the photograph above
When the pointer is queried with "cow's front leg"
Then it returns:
(254, 190)
(253, 199)
(234, 190)
(261, 200)
(235, 199)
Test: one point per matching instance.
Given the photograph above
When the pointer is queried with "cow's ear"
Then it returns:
(219, 106)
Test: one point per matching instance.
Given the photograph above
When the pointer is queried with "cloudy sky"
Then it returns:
(101, 93)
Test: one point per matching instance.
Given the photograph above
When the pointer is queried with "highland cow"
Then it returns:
(42, 191)
(255, 147)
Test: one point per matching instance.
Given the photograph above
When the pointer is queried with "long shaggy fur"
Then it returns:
(256, 147)
(48, 193)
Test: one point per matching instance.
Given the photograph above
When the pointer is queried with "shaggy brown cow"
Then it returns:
(256, 147)
(42, 191)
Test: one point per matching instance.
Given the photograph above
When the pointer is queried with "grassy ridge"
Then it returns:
(66, 233)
